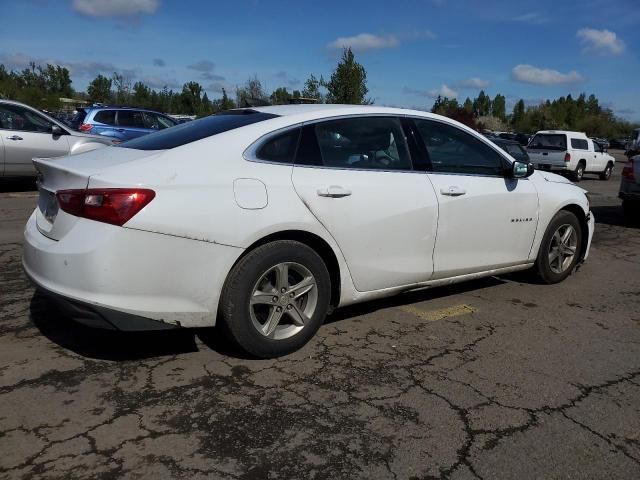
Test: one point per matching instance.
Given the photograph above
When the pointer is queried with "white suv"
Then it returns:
(569, 152)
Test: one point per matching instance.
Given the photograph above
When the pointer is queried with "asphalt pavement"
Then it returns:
(497, 378)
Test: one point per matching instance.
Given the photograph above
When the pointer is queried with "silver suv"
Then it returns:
(26, 133)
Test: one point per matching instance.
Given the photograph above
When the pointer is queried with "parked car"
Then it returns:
(26, 133)
(264, 219)
(513, 148)
(570, 153)
(630, 187)
(121, 123)
(603, 142)
(618, 143)
(633, 146)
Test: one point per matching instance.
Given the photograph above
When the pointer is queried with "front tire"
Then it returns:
(579, 172)
(275, 299)
(606, 173)
(560, 249)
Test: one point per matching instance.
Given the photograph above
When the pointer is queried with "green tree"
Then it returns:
(498, 107)
(468, 105)
(251, 93)
(141, 95)
(348, 83)
(99, 90)
(122, 89)
(280, 96)
(191, 98)
(518, 115)
(312, 88)
(225, 102)
(482, 104)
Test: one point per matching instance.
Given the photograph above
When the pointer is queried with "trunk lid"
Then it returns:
(73, 172)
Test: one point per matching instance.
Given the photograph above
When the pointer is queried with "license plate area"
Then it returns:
(48, 204)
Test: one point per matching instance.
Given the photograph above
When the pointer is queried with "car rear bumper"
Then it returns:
(123, 278)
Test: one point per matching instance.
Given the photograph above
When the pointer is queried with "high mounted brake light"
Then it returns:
(109, 205)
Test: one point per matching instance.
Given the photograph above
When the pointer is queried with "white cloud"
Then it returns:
(532, 18)
(18, 61)
(364, 42)
(601, 41)
(472, 82)
(159, 82)
(202, 66)
(443, 91)
(544, 76)
(115, 8)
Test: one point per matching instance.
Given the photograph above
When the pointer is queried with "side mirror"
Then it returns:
(521, 169)
(56, 130)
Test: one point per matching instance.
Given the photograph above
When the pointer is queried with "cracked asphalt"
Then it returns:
(498, 378)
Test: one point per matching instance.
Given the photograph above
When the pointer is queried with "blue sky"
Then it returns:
(412, 49)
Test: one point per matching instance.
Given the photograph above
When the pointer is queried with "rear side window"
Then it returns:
(197, 130)
(548, 141)
(108, 117)
(369, 143)
(281, 148)
(579, 144)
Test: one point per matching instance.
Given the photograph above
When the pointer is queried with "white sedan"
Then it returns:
(263, 220)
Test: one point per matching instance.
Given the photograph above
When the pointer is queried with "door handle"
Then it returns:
(14, 137)
(334, 191)
(452, 191)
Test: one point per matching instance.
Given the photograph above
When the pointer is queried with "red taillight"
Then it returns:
(85, 127)
(110, 205)
(627, 171)
(567, 157)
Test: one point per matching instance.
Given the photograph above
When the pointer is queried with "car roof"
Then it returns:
(562, 132)
(504, 141)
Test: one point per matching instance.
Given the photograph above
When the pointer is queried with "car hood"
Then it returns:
(554, 178)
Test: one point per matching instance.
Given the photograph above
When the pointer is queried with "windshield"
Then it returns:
(548, 141)
(197, 130)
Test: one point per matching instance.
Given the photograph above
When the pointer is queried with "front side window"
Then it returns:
(281, 148)
(452, 150)
(370, 143)
(130, 119)
(579, 144)
(15, 117)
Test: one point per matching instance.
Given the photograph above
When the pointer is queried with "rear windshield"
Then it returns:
(197, 130)
(77, 119)
(548, 141)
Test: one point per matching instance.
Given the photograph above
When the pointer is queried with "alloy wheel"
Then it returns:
(563, 248)
(283, 300)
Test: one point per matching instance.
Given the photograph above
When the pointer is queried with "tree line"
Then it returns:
(583, 114)
(43, 86)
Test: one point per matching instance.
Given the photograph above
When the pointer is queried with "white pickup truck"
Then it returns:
(569, 152)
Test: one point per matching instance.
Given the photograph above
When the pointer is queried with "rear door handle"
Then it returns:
(333, 191)
(14, 137)
(452, 191)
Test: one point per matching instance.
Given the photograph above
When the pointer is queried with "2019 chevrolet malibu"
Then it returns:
(264, 219)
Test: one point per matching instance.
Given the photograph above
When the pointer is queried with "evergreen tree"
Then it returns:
(348, 83)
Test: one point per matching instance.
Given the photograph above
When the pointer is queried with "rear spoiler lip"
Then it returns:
(50, 163)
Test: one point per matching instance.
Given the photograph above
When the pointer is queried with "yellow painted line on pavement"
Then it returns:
(439, 314)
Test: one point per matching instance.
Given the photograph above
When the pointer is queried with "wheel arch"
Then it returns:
(584, 226)
(313, 241)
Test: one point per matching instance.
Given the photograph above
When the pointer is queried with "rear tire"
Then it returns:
(561, 248)
(606, 173)
(578, 172)
(275, 299)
